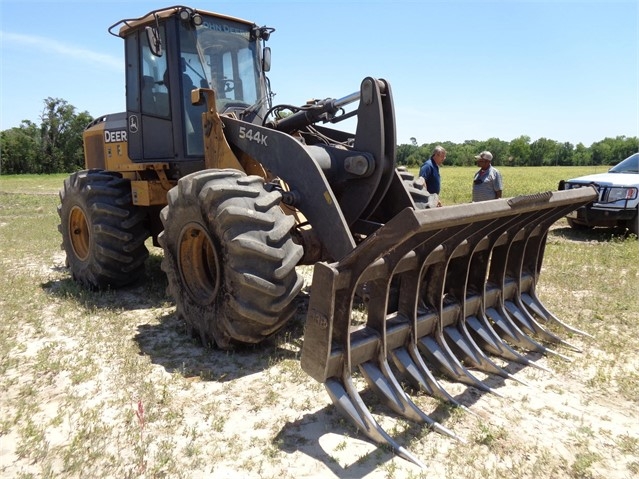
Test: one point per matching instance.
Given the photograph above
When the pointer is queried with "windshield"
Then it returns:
(220, 54)
(629, 165)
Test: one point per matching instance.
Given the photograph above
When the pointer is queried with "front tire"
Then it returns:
(229, 257)
(103, 233)
(578, 226)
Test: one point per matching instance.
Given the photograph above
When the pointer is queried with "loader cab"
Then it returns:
(169, 53)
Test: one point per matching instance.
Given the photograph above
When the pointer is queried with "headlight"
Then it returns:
(616, 194)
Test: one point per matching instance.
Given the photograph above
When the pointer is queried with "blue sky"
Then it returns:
(459, 70)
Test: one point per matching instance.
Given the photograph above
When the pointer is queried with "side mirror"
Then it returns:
(266, 59)
(154, 40)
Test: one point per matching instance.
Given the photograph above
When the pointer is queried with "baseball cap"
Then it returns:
(485, 155)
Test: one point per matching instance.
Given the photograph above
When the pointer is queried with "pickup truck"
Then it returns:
(618, 202)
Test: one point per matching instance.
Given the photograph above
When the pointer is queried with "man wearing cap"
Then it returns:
(487, 184)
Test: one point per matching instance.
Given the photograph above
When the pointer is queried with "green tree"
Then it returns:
(19, 149)
(520, 151)
(54, 146)
(543, 152)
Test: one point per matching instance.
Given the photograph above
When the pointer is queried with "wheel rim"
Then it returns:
(198, 264)
(79, 233)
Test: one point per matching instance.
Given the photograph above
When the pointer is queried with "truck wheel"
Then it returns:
(578, 226)
(229, 257)
(103, 233)
(633, 224)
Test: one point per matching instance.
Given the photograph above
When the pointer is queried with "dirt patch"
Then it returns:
(111, 385)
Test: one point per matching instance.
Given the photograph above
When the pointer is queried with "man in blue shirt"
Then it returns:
(430, 171)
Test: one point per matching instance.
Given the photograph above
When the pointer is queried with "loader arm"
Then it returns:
(286, 157)
(336, 187)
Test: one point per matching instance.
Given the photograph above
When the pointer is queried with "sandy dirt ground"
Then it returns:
(148, 394)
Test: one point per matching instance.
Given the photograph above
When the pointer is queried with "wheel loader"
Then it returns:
(240, 192)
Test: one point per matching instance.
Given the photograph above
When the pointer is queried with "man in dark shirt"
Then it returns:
(430, 171)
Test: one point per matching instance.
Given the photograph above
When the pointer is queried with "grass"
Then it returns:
(457, 181)
(108, 384)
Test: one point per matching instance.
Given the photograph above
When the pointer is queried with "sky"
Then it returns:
(459, 70)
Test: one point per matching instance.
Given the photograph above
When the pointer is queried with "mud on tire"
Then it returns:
(229, 257)
(103, 233)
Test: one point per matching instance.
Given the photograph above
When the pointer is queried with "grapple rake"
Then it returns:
(444, 289)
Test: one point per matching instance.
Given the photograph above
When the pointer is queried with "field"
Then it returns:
(109, 385)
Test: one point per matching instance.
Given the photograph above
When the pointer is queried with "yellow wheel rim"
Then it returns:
(79, 233)
(198, 264)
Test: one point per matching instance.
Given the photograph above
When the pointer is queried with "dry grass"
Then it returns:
(109, 384)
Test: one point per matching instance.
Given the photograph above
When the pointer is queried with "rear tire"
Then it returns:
(103, 233)
(229, 257)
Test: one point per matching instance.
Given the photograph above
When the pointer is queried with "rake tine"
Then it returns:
(484, 334)
(438, 353)
(377, 372)
(467, 348)
(411, 365)
(407, 358)
(469, 354)
(515, 334)
(536, 306)
(348, 401)
(383, 382)
(509, 331)
(529, 324)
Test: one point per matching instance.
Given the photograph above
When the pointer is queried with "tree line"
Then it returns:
(524, 152)
(55, 146)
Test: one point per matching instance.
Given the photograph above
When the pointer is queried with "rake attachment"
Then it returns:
(444, 290)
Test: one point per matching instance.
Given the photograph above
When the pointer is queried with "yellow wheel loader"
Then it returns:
(240, 192)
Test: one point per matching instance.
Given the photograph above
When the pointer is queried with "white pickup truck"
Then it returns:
(618, 203)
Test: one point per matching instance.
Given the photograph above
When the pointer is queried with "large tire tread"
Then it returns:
(116, 229)
(257, 256)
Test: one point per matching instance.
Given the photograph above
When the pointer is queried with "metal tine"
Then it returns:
(348, 401)
(407, 358)
(505, 272)
(461, 343)
(509, 331)
(378, 374)
(532, 302)
(530, 325)
(524, 267)
(521, 264)
(478, 269)
(472, 268)
(436, 350)
(527, 290)
(486, 336)
(344, 394)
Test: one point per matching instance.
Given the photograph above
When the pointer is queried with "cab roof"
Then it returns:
(127, 25)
